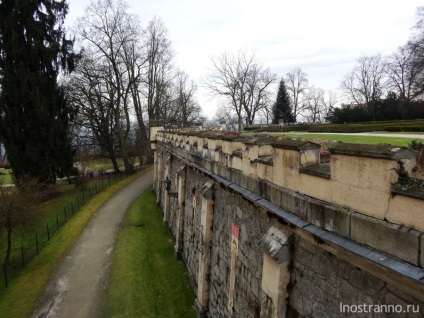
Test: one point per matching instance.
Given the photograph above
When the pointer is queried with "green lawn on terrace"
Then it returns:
(146, 280)
(355, 139)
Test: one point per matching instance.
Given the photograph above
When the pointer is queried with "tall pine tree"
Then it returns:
(34, 114)
(282, 109)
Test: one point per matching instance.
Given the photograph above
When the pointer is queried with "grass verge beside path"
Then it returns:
(370, 140)
(19, 298)
(145, 278)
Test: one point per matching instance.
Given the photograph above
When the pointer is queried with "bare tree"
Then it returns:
(416, 55)
(187, 110)
(330, 100)
(157, 81)
(241, 80)
(108, 30)
(258, 93)
(267, 114)
(13, 213)
(135, 60)
(227, 115)
(363, 85)
(405, 73)
(418, 31)
(94, 124)
(297, 84)
(315, 106)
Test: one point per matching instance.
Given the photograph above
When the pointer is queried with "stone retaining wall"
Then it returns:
(256, 246)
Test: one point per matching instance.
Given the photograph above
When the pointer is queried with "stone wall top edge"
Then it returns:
(360, 150)
(295, 144)
(374, 151)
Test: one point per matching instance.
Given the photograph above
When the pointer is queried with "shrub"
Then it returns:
(405, 128)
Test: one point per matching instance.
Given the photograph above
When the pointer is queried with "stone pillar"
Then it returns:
(166, 209)
(155, 170)
(276, 245)
(159, 179)
(202, 301)
(235, 235)
(181, 212)
(153, 145)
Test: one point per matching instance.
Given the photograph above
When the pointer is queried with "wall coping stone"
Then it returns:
(412, 191)
(374, 151)
(230, 137)
(295, 144)
(261, 139)
(316, 169)
(238, 153)
(266, 160)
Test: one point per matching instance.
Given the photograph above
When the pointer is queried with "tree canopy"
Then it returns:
(242, 81)
(34, 113)
(282, 108)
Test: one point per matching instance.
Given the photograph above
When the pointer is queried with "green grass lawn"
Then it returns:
(106, 164)
(145, 278)
(6, 176)
(371, 140)
(19, 298)
(43, 211)
(47, 217)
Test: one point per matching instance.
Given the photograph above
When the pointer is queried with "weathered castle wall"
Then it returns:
(265, 231)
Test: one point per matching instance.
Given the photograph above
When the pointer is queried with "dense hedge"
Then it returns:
(401, 125)
(392, 126)
(405, 128)
(276, 128)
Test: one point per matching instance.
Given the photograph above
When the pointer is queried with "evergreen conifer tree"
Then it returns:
(34, 113)
(282, 109)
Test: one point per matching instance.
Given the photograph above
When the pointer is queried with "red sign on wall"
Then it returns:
(235, 231)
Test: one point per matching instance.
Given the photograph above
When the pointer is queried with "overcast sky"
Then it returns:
(322, 37)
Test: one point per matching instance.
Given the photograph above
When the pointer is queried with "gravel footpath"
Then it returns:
(76, 289)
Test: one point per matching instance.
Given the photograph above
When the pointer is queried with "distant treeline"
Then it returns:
(391, 108)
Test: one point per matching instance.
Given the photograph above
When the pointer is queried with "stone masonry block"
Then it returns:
(330, 218)
(220, 170)
(385, 237)
(244, 180)
(300, 205)
(207, 165)
(422, 251)
(288, 202)
(275, 194)
(236, 176)
(214, 167)
(253, 185)
(228, 173)
(264, 190)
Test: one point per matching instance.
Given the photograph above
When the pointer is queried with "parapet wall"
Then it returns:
(360, 177)
(361, 208)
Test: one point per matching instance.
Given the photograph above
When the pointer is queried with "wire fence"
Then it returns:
(36, 241)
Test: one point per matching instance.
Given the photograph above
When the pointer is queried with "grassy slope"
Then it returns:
(19, 298)
(145, 279)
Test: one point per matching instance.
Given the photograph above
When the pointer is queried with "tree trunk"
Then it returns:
(9, 243)
(115, 164)
(240, 124)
